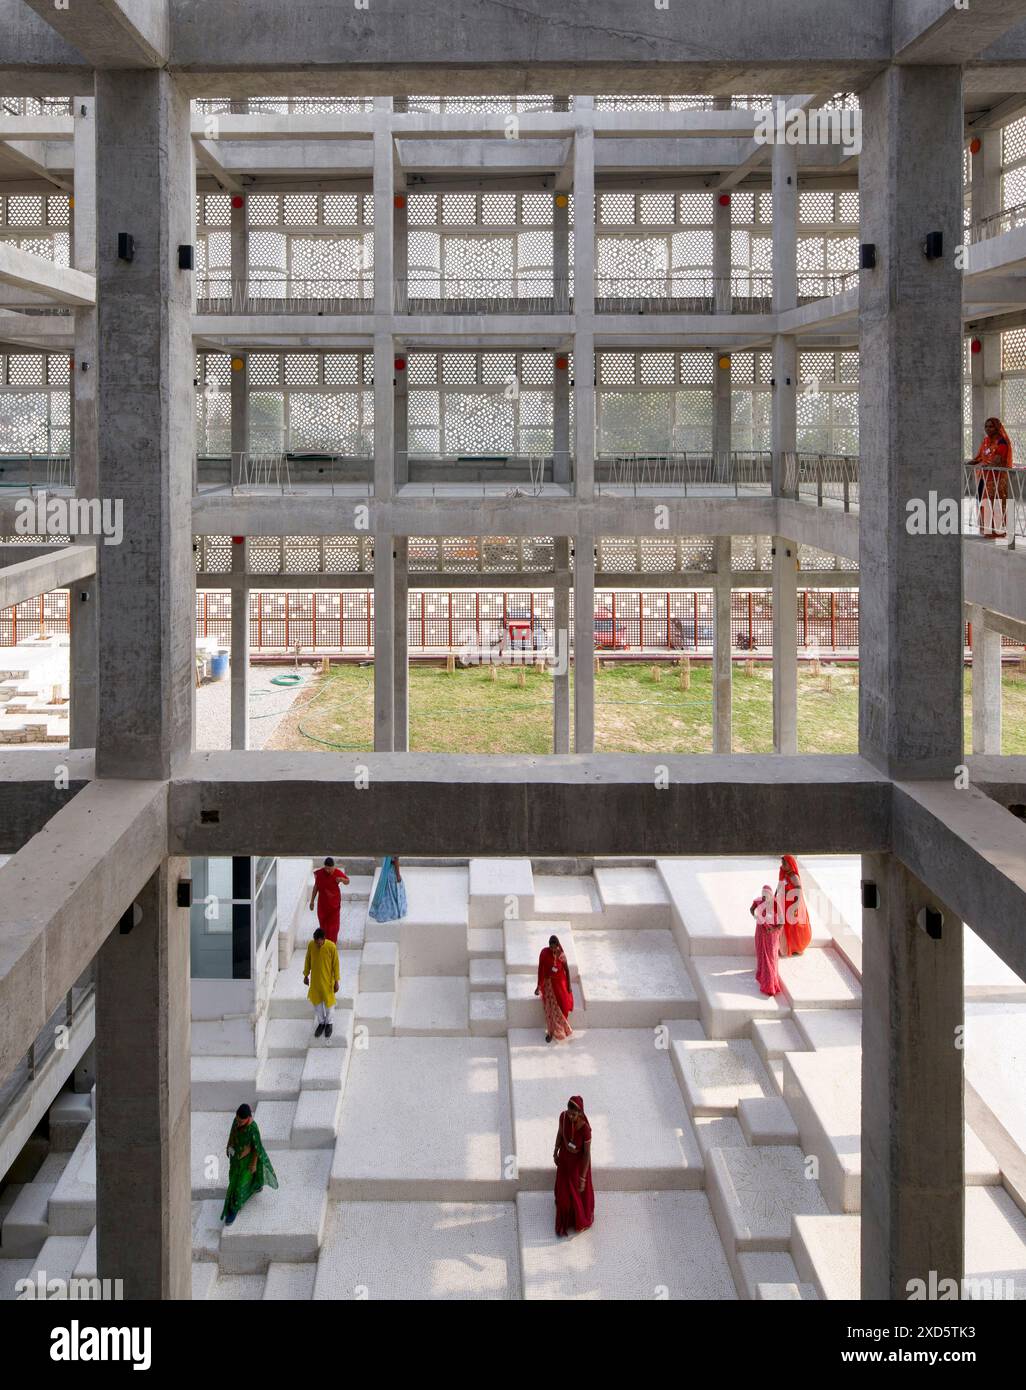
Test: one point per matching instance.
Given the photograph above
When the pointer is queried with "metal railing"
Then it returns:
(983, 228)
(994, 503)
(699, 293)
(824, 479)
(737, 472)
(288, 470)
(520, 474)
(36, 472)
(285, 294)
(526, 292)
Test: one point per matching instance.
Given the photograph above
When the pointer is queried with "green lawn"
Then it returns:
(468, 712)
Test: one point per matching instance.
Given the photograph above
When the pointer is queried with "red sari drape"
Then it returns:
(556, 993)
(575, 1210)
(329, 901)
(797, 927)
(995, 460)
(767, 943)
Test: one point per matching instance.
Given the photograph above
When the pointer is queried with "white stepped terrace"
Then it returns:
(726, 1126)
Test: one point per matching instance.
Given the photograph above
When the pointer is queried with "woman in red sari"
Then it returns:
(328, 897)
(994, 458)
(767, 940)
(792, 912)
(556, 994)
(575, 1193)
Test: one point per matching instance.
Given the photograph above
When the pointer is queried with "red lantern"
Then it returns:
(724, 200)
(237, 540)
(975, 346)
(975, 145)
(400, 364)
(400, 200)
(562, 363)
(238, 201)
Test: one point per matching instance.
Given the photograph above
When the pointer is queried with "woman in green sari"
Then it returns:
(249, 1168)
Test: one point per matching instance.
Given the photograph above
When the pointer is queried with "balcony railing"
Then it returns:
(43, 471)
(827, 480)
(983, 228)
(527, 292)
(994, 503)
(285, 294)
(683, 292)
(701, 474)
(522, 473)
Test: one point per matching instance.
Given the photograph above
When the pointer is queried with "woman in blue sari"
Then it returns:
(389, 901)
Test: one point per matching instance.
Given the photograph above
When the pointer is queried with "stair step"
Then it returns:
(487, 974)
(379, 967)
(498, 890)
(487, 1014)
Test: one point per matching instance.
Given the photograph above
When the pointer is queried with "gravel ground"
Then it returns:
(267, 705)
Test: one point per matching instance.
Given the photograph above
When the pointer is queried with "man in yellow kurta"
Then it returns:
(321, 973)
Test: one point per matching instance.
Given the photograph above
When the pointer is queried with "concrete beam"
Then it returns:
(939, 31)
(30, 578)
(442, 804)
(61, 895)
(972, 853)
(32, 790)
(25, 271)
(112, 33)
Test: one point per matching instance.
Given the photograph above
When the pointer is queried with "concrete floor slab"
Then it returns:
(432, 1006)
(819, 979)
(825, 1028)
(729, 998)
(500, 889)
(567, 898)
(450, 1250)
(643, 1245)
(633, 978)
(283, 1224)
(633, 896)
(715, 1075)
(425, 1118)
(290, 1282)
(642, 1136)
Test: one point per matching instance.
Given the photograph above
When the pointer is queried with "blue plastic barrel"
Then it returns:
(218, 666)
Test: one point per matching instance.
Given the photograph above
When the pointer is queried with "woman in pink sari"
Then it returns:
(575, 1192)
(767, 940)
(791, 911)
(556, 994)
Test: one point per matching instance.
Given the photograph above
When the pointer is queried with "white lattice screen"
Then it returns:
(38, 223)
(464, 403)
(828, 402)
(35, 403)
(494, 245)
(654, 402)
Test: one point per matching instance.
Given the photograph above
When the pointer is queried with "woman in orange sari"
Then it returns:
(556, 994)
(994, 458)
(575, 1192)
(792, 912)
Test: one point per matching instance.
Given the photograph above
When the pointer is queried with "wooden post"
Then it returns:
(450, 663)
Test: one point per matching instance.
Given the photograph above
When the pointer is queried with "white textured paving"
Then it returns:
(633, 978)
(567, 897)
(827, 1253)
(425, 1119)
(995, 1061)
(432, 1005)
(729, 996)
(827, 1028)
(285, 1223)
(995, 1242)
(500, 889)
(715, 1074)
(419, 1250)
(633, 896)
(642, 1136)
(643, 1245)
(755, 1193)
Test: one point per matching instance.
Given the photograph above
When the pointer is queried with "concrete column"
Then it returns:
(722, 666)
(985, 366)
(986, 684)
(384, 282)
(561, 647)
(723, 300)
(240, 256)
(401, 713)
(561, 470)
(785, 645)
(239, 387)
(240, 648)
(384, 643)
(584, 304)
(584, 642)
(82, 596)
(785, 296)
(146, 429)
(400, 403)
(143, 1197)
(912, 1110)
(910, 686)
(84, 624)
